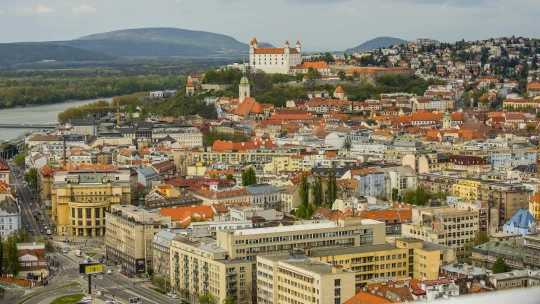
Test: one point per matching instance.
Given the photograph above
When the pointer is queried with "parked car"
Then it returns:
(109, 271)
(174, 296)
(65, 250)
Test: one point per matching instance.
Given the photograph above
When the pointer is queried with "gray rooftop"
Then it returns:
(261, 188)
(305, 264)
(503, 248)
(9, 206)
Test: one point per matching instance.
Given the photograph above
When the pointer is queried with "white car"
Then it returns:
(169, 294)
(111, 302)
(109, 271)
(174, 296)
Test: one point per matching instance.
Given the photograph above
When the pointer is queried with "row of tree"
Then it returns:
(43, 90)
(249, 177)
(316, 191)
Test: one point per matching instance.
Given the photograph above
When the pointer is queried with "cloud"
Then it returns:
(42, 9)
(83, 9)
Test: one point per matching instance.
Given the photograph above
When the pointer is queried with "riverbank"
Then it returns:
(43, 114)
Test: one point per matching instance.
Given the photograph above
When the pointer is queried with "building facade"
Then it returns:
(445, 226)
(274, 60)
(130, 234)
(294, 278)
(80, 198)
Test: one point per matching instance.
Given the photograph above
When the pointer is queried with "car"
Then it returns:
(175, 296)
(111, 302)
(169, 294)
(88, 298)
(66, 249)
(109, 271)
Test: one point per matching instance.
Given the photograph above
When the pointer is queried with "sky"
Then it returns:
(320, 25)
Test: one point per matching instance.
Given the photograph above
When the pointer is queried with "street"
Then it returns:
(107, 285)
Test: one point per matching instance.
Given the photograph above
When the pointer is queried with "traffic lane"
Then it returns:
(25, 198)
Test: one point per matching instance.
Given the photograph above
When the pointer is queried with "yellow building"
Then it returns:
(80, 198)
(466, 188)
(445, 226)
(249, 243)
(199, 266)
(259, 155)
(534, 207)
(294, 278)
(367, 262)
(129, 236)
(425, 258)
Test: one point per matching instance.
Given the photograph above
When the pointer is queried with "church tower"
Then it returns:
(447, 121)
(243, 89)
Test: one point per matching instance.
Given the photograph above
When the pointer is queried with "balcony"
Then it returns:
(231, 273)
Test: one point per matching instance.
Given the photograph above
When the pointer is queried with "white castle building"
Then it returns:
(274, 60)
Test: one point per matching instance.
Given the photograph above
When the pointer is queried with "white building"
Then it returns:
(10, 217)
(274, 60)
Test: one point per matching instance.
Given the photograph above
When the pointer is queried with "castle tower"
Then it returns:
(287, 49)
(243, 88)
(298, 47)
(447, 121)
(190, 89)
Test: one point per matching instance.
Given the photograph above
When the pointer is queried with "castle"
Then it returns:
(274, 60)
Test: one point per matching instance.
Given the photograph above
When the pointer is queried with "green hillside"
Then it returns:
(13, 53)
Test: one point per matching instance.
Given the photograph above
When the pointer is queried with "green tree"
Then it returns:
(249, 177)
(12, 255)
(395, 194)
(229, 301)
(21, 236)
(328, 57)
(317, 189)
(331, 187)
(341, 75)
(304, 190)
(230, 177)
(19, 159)
(535, 62)
(49, 246)
(207, 298)
(500, 266)
(31, 177)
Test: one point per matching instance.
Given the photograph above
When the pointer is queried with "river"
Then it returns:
(43, 114)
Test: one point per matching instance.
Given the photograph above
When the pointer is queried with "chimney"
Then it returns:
(337, 269)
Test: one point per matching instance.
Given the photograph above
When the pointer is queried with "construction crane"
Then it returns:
(117, 107)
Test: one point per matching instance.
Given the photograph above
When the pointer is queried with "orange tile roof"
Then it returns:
(291, 117)
(220, 145)
(189, 84)
(401, 216)
(312, 64)
(363, 297)
(183, 214)
(339, 89)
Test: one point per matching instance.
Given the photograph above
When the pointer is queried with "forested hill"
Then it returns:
(13, 53)
(159, 42)
(379, 42)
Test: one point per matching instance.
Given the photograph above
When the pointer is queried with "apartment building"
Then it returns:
(508, 199)
(162, 255)
(186, 135)
(199, 266)
(294, 278)
(80, 198)
(511, 251)
(531, 257)
(254, 155)
(425, 258)
(367, 262)
(442, 225)
(130, 234)
(248, 243)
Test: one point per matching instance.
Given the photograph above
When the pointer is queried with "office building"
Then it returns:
(80, 198)
(294, 278)
(445, 226)
(130, 234)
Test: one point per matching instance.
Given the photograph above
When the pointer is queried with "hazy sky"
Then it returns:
(318, 24)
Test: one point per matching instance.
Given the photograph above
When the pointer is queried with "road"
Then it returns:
(26, 203)
(115, 284)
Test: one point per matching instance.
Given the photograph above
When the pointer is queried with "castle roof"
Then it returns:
(189, 84)
(339, 89)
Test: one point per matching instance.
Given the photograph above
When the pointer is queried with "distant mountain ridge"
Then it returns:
(160, 42)
(14, 53)
(375, 43)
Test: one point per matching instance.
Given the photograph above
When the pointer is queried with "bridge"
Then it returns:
(27, 126)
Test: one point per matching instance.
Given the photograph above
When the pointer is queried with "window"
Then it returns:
(337, 282)
(337, 292)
